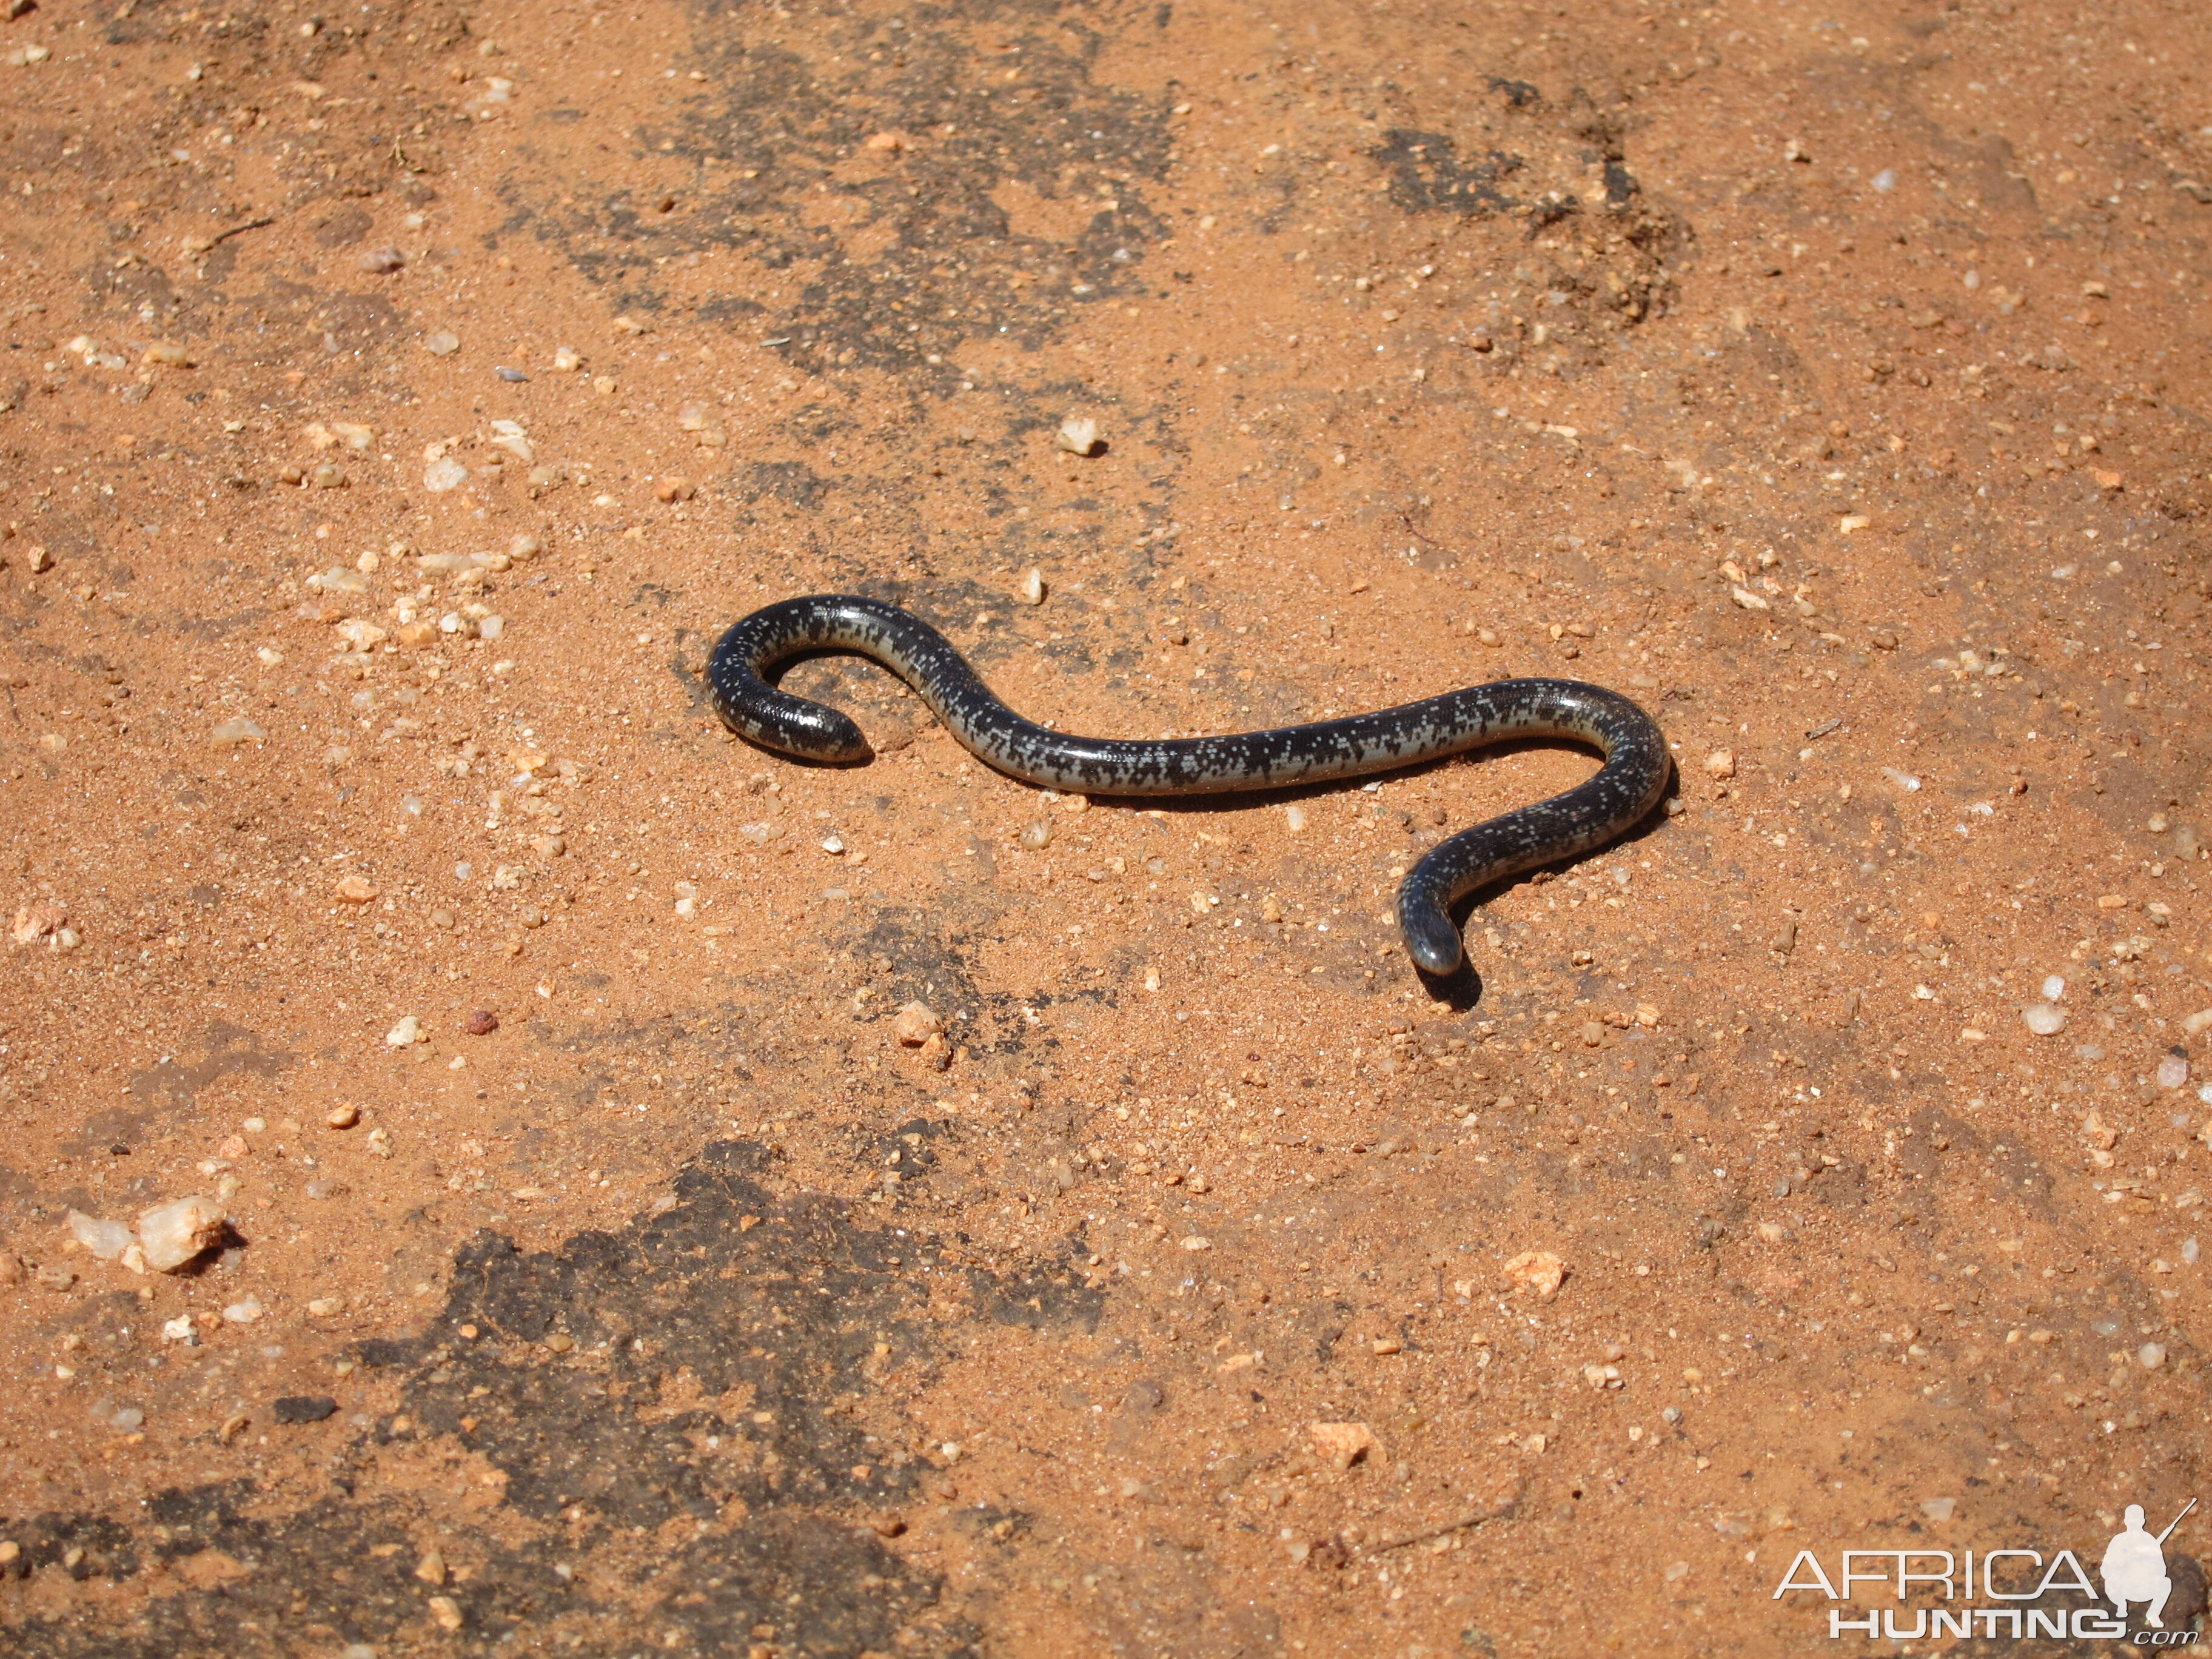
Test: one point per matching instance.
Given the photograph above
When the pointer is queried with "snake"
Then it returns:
(1591, 815)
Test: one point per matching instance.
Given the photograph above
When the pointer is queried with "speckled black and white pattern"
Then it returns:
(1586, 817)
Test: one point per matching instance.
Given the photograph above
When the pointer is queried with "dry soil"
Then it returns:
(399, 400)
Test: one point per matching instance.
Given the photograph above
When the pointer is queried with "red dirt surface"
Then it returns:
(398, 402)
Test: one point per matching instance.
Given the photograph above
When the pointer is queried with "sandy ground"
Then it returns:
(399, 401)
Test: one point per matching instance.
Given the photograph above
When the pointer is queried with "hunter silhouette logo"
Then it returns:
(2133, 1567)
(2132, 1570)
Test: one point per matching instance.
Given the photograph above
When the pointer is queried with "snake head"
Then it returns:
(1431, 940)
(797, 725)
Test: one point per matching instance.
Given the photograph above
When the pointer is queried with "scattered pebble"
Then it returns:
(443, 344)
(1537, 1271)
(1939, 1508)
(2173, 1071)
(383, 261)
(408, 1031)
(354, 890)
(176, 1233)
(106, 1239)
(2151, 1356)
(446, 1612)
(304, 1409)
(1721, 763)
(1033, 589)
(914, 1024)
(236, 730)
(343, 1117)
(243, 1311)
(1342, 1444)
(36, 920)
(512, 376)
(431, 1568)
(444, 474)
(181, 1329)
(1077, 435)
(566, 360)
(1198, 1242)
(1035, 836)
(483, 1023)
(2044, 1020)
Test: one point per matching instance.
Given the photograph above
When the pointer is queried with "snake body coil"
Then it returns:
(1588, 816)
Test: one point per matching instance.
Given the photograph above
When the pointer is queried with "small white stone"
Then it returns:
(567, 359)
(358, 634)
(2151, 1356)
(180, 1329)
(1033, 589)
(1721, 763)
(409, 1030)
(1035, 836)
(1077, 435)
(1294, 816)
(916, 1023)
(2053, 988)
(105, 1239)
(231, 733)
(443, 344)
(2172, 1072)
(175, 1233)
(444, 474)
(243, 1312)
(2044, 1020)
(1939, 1508)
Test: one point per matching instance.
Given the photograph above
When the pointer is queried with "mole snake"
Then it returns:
(1587, 816)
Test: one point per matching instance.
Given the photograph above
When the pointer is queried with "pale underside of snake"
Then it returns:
(1588, 816)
